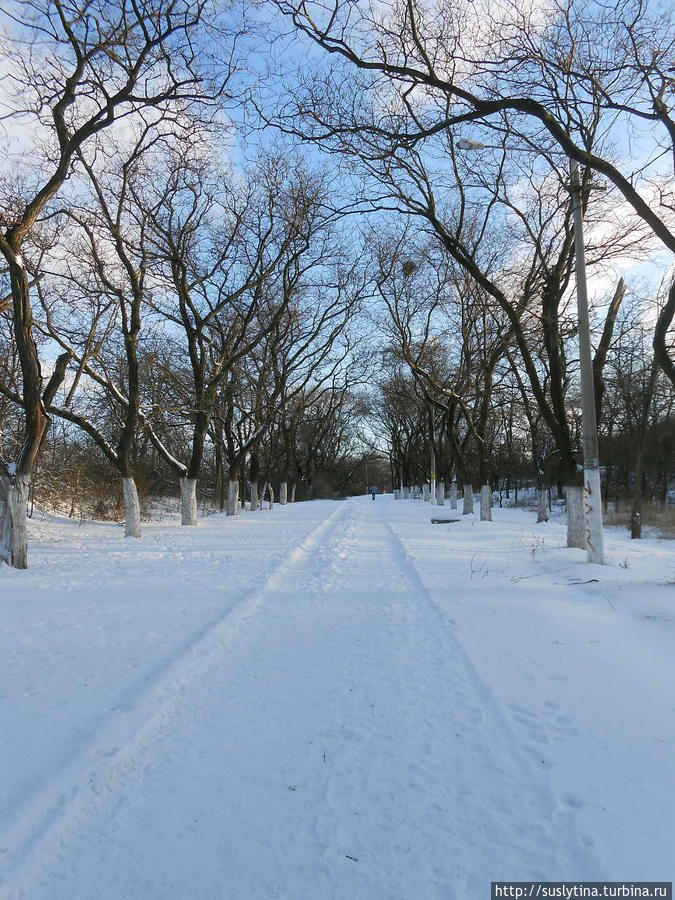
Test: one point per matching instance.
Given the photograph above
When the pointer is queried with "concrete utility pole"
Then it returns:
(433, 457)
(594, 539)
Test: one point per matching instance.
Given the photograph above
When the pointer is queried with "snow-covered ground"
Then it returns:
(333, 700)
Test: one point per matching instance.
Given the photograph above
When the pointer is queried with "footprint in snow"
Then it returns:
(573, 800)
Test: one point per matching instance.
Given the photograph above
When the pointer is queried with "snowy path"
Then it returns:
(332, 740)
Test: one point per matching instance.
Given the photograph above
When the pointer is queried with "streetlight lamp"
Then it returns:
(466, 144)
(589, 427)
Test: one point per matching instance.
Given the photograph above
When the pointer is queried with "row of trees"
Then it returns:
(463, 120)
(459, 384)
(505, 443)
(75, 72)
(201, 303)
(326, 459)
(181, 301)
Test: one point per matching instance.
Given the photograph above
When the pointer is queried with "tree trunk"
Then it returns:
(453, 495)
(293, 493)
(132, 509)
(485, 503)
(576, 518)
(660, 344)
(603, 348)
(639, 482)
(608, 486)
(636, 511)
(253, 476)
(638, 494)
(220, 470)
(663, 493)
(188, 501)
(468, 500)
(233, 497)
(638, 491)
(14, 535)
(267, 487)
(16, 486)
(440, 494)
(289, 465)
(542, 497)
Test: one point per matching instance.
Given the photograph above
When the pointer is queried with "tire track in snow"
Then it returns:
(368, 761)
(412, 769)
(518, 824)
(530, 768)
(69, 795)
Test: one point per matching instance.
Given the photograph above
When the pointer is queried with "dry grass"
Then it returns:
(657, 521)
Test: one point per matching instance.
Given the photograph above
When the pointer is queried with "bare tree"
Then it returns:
(74, 70)
(313, 342)
(578, 72)
(231, 259)
(101, 295)
(638, 401)
(450, 336)
(519, 250)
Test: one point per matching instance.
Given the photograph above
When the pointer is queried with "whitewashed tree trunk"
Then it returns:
(485, 503)
(453, 495)
(232, 498)
(542, 505)
(467, 506)
(576, 524)
(132, 509)
(593, 516)
(255, 503)
(406, 493)
(283, 493)
(188, 501)
(293, 493)
(267, 488)
(14, 535)
(440, 494)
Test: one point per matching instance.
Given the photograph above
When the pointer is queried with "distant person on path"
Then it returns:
(373, 491)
